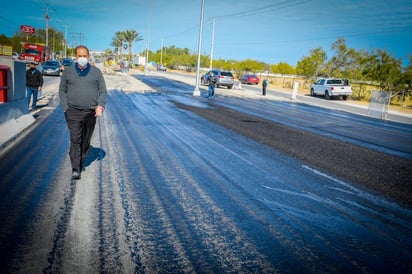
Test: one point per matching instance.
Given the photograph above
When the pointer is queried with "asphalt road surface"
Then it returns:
(168, 188)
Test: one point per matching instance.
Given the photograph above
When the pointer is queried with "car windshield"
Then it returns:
(67, 62)
(51, 64)
(31, 51)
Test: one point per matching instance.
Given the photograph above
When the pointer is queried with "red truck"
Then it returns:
(35, 53)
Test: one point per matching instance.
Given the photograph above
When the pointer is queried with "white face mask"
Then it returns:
(82, 61)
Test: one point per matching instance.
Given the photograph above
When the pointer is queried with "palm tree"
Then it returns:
(117, 41)
(131, 36)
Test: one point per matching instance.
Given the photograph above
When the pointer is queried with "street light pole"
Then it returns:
(161, 54)
(47, 17)
(146, 66)
(196, 91)
(66, 41)
(47, 24)
(213, 42)
(148, 31)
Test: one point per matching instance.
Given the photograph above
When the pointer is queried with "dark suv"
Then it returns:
(223, 78)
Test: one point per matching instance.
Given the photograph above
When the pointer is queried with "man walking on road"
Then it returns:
(83, 95)
(34, 83)
(212, 83)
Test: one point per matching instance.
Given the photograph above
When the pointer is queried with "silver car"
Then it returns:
(223, 78)
(51, 68)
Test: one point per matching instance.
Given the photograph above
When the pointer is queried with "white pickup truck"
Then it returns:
(330, 87)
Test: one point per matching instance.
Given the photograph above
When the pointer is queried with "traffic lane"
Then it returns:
(385, 136)
(230, 197)
(316, 101)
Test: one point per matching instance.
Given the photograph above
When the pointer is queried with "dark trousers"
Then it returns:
(81, 123)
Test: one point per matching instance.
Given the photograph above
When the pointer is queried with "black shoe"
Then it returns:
(75, 174)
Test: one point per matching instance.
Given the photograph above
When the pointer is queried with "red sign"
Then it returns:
(27, 29)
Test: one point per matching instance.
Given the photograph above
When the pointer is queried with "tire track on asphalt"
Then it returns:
(134, 218)
(180, 161)
(167, 160)
(108, 231)
(55, 256)
(114, 244)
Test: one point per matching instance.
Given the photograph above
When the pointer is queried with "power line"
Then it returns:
(284, 4)
(326, 37)
(267, 8)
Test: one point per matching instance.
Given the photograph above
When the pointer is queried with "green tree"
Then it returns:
(250, 65)
(312, 65)
(117, 42)
(223, 64)
(285, 68)
(131, 36)
(382, 67)
(341, 63)
(407, 77)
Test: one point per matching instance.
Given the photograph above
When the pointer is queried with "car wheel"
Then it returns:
(345, 97)
(327, 96)
(230, 87)
(312, 92)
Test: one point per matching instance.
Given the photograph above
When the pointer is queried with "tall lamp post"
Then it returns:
(196, 91)
(161, 54)
(146, 66)
(213, 42)
(148, 33)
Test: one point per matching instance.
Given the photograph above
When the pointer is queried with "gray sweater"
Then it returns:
(82, 92)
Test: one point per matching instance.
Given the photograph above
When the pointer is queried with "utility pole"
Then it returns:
(148, 31)
(77, 39)
(47, 17)
(196, 91)
(161, 54)
(65, 42)
(213, 42)
(47, 24)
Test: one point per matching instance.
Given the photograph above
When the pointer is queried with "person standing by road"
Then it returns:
(264, 86)
(212, 83)
(34, 83)
(82, 93)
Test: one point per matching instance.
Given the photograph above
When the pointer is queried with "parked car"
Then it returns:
(161, 68)
(223, 78)
(331, 87)
(249, 79)
(66, 62)
(51, 68)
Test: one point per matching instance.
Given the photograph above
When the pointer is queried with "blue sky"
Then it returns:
(271, 31)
